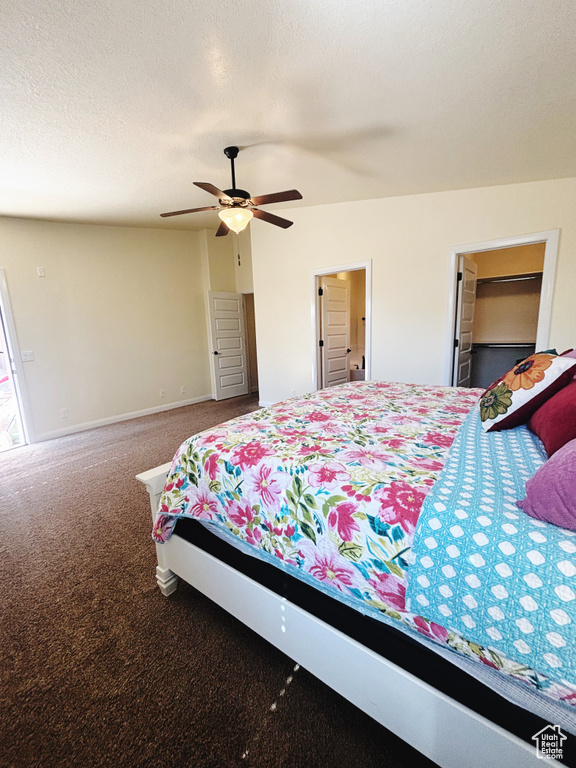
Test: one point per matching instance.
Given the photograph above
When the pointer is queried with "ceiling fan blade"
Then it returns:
(277, 197)
(271, 218)
(222, 230)
(207, 187)
(192, 210)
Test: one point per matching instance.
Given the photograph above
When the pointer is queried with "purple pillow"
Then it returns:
(551, 493)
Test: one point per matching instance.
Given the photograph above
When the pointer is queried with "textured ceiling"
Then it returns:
(110, 110)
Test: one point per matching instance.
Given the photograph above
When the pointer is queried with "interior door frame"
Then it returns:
(14, 353)
(315, 311)
(551, 239)
(249, 356)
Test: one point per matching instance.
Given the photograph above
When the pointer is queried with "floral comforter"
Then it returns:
(329, 486)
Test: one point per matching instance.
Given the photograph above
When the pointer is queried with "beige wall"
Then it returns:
(221, 258)
(243, 260)
(409, 240)
(507, 312)
(229, 261)
(119, 316)
(121, 311)
(519, 260)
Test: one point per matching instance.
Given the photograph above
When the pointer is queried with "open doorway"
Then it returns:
(508, 289)
(502, 304)
(250, 325)
(12, 426)
(341, 318)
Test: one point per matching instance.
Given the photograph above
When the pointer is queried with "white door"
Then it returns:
(467, 274)
(335, 330)
(228, 339)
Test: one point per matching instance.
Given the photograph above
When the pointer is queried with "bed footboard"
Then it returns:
(439, 727)
(154, 480)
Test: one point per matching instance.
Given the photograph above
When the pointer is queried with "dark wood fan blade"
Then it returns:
(222, 230)
(271, 218)
(277, 197)
(207, 187)
(192, 210)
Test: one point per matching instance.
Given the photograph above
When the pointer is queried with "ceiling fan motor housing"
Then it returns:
(239, 195)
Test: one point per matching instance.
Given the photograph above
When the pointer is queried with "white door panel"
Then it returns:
(336, 342)
(464, 322)
(337, 366)
(231, 379)
(465, 342)
(226, 344)
(335, 330)
(465, 370)
(223, 324)
(229, 360)
(227, 305)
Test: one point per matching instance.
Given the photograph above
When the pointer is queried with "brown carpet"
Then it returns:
(98, 669)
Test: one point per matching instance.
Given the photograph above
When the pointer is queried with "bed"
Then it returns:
(315, 522)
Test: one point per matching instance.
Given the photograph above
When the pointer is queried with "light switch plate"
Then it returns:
(27, 356)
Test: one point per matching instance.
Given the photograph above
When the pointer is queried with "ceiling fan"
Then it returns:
(237, 207)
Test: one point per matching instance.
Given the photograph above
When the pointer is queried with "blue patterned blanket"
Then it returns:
(484, 568)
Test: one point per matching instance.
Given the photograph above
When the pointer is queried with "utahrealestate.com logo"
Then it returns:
(549, 742)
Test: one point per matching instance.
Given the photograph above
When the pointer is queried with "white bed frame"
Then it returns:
(439, 727)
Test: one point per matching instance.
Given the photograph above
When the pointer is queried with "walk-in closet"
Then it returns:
(508, 289)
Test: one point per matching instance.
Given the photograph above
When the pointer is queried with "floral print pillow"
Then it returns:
(511, 400)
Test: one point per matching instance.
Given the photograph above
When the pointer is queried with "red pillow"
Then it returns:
(555, 421)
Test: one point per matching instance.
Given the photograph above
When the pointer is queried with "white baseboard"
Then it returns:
(114, 419)
(265, 403)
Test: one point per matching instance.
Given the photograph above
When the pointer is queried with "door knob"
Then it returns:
(348, 350)
(216, 353)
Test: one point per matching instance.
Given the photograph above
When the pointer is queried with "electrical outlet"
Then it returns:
(27, 356)
(182, 390)
(41, 271)
(162, 393)
(63, 413)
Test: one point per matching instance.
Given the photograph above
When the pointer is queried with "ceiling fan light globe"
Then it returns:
(236, 219)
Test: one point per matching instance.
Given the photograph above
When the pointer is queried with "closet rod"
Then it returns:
(508, 279)
(503, 345)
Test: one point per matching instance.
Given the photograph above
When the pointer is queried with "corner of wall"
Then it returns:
(243, 263)
(204, 261)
